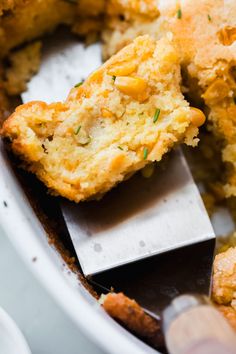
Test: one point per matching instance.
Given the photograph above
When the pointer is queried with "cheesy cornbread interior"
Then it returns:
(128, 113)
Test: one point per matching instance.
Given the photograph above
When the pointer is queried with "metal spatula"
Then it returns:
(141, 217)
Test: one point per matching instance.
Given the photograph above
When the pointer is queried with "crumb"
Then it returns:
(132, 316)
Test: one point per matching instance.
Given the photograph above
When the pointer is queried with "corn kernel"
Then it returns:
(132, 86)
(105, 93)
(198, 118)
(122, 69)
(96, 77)
(227, 35)
(106, 113)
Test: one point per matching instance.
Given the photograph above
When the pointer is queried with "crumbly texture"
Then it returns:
(205, 32)
(130, 314)
(224, 278)
(24, 63)
(127, 114)
(224, 284)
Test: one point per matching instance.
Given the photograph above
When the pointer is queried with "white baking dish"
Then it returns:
(29, 238)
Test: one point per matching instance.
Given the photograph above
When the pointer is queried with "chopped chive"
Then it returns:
(122, 114)
(77, 130)
(179, 14)
(156, 115)
(113, 77)
(119, 147)
(79, 84)
(145, 153)
(88, 141)
(209, 17)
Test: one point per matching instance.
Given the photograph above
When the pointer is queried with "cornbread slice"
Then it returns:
(127, 114)
(205, 33)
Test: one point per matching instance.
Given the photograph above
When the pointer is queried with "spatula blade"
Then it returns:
(140, 218)
(154, 282)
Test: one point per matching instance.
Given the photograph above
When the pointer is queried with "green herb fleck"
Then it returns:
(114, 78)
(77, 130)
(145, 153)
(179, 14)
(122, 114)
(119, 147)
(88, 141)
(209, 17)
(156, 115)
(79, 84)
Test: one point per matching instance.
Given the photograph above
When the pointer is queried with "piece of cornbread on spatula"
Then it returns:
(127, 114)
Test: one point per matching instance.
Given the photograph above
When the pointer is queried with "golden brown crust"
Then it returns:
(224, 284)
(224, 277)
(130, 314)
(25, 20)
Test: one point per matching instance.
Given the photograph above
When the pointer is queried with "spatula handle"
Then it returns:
(193, 326)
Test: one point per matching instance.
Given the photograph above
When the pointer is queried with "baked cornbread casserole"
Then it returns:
(168, 65)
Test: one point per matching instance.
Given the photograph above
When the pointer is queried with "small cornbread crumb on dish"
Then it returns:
(130, 314)
(127, 114)
(224, 284)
